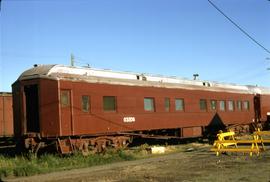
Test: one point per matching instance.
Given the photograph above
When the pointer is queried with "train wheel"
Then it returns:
(85, 150)
(100, 145)
(121, 142)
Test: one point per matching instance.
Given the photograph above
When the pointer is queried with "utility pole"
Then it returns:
(71, 59)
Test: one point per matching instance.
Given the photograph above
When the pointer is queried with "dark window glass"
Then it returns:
(203, 105)
(213, 104)
(230, 105)
(65, 102)
(239, 105)
(85, 103)
(149, 104)
(167, 104)
(222, 105)
(179, 104)
(109, 103)
(246, 105)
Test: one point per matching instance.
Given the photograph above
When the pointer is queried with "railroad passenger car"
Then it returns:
(6, 115)
(75, 108)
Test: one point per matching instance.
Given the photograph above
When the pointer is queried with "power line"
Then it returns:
(241, 29)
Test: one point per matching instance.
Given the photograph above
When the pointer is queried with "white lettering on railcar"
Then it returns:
(129, 119)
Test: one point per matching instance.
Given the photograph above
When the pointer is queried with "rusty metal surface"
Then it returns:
(265, 105)
(36, 72)
(6, 115)
(130, 104)
(192, 132)
(56, 120)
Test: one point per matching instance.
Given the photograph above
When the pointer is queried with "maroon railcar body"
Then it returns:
(49, 103)
(6, 115)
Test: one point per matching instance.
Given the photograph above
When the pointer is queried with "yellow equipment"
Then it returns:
(226, 142)
(260, 134)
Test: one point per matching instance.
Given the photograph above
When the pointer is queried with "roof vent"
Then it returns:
(141, 77)
(206, 84)
(144, 78)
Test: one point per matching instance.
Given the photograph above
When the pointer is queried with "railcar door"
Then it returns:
(32, 108)
(257, 108)
(66, 113)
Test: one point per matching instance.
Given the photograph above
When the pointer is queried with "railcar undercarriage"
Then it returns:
(86, 144)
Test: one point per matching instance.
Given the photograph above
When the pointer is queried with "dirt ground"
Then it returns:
(196, 163)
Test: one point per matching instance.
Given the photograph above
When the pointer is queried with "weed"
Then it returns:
(30, 165)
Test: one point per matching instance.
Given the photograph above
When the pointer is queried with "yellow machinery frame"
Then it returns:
(226, 142)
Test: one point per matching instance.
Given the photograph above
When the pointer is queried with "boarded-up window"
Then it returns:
(65, 98)
(222, 105)
(167, 104)
(203, 105)
(213, 105)
(246, 105)
(85, 103)
(149, 104)
(179, 104)
(109, 103)
(239, 105)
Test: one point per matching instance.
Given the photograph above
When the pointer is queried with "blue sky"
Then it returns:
(168, 37)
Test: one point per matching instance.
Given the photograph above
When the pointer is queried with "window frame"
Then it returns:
(152, 104)
(241, 105)
(219, 105)
(204, 102)
(115, 103)
(88, 103)
(67, 94)
(211, 105)
(231, 103)
(248, 105)
(182, 109)
(167, 104)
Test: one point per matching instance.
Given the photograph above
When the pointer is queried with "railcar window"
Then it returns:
(239, 105)
(167, 104)
(222, 105)
(203, 105)
(65, 98)
(230, 105)
(85, 103)
(213, 104)
(246, 105)
(149, 104)
(179, 104)
(109, 103)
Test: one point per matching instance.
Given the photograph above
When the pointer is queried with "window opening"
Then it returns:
(149, 104)
(109, 103)
(203, 105)
(85, 103)
(179, 104)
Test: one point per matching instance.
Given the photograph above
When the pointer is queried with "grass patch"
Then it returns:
(31, 165)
